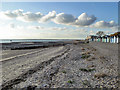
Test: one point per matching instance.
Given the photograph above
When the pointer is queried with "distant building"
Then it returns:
(113, 38)
(92, 38)
(106, 38)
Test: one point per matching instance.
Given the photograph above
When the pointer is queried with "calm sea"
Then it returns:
(31, 40)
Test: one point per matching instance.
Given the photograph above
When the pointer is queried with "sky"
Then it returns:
(57, 20)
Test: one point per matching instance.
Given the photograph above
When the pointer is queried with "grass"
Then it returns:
(84, 56)
(64, 71)
(86, 82)
(70, 81)
(86, 70)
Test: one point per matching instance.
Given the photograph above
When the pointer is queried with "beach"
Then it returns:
(72, 64)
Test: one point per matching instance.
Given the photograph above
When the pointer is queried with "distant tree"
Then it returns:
(100, 33)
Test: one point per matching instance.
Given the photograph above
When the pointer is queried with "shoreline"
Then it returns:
(29, 45)
(33, 45)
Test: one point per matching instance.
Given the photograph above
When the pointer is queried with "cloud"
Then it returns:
(64, 19)
(61, 18)
(48, 17)
(68, 19)
(30, 17)
(12, 25)
(91, 32)
(83, 20)
(36, 27)
(19, 15)
(47, 28)
(104, 24)
(13, 14)
(58, 28)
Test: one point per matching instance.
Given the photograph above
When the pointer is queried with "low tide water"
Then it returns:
(31, 40)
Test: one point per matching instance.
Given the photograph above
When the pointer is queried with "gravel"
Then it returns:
(65, 70)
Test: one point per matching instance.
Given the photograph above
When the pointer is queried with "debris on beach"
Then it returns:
(86, 83)
(83, 49)
(87, 69)
(84, 55)
(70, 81)
(100, 75)
(90, 58)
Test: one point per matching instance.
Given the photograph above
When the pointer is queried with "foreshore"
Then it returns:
(33, 45)
(72, 64)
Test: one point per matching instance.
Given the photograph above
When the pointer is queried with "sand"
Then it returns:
(75, 65)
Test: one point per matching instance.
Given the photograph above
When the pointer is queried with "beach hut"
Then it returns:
(88, 38)
(103, 38)
(115, 37)
(111, 38)
(106, 38)
(99, 39)
(92, 38)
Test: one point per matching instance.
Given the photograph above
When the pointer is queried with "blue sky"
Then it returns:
(103, 11)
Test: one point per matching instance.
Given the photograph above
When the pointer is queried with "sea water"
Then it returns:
(31, 40)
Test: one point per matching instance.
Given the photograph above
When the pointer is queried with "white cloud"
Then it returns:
(49, 16)
(82, 20)
(68, 19)
(61, 18)
(46, 28)
(92, 32)
(12, 25)
(64, 19)
(36, 27)
(85, 20)
(30, 17)
(39, 32)
(103, 24)
(58, 28)
(13, 14)
(19, 15)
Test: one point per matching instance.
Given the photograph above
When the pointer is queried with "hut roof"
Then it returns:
(93, 36)
(115, 34)
(105, 36)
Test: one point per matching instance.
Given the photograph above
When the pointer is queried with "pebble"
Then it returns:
(72, 66)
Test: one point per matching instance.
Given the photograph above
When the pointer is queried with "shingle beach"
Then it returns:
(72, 65)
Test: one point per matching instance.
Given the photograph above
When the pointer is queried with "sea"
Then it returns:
(32, 40)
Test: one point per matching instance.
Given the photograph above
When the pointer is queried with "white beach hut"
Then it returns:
(115, 37)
